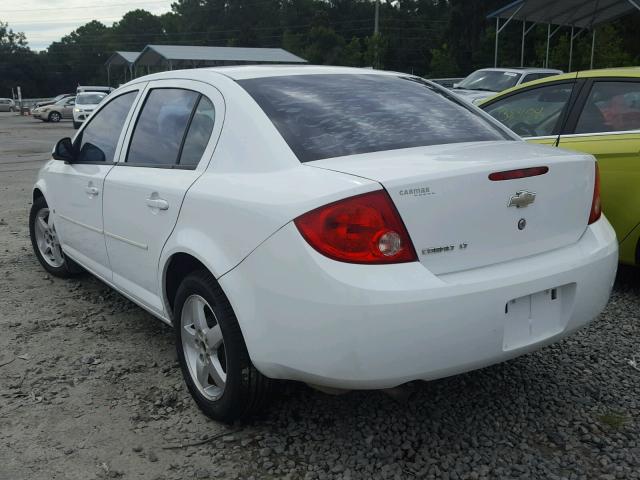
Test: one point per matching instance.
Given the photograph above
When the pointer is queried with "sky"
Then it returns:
(45, 21)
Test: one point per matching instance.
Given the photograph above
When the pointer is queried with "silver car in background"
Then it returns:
(486, 82)
(7, 105)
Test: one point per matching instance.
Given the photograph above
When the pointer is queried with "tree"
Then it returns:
(19, 66)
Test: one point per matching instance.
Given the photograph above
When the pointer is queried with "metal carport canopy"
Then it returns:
(120, 58)
(181, 55)
(580, 14)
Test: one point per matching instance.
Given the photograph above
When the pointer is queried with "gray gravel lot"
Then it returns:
(90, 388)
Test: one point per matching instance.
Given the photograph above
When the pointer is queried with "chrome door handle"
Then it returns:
(92, 191)
(158, 203)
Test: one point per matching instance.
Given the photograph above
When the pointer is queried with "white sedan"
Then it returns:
(351, 229)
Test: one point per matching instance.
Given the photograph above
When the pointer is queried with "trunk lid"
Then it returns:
(460, 219)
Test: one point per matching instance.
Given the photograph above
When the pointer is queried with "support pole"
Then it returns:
(499, 29)
(495, 54)
(546, 58)
(593, 46)
(570, 49)
(635, 3)
(524, 24)
(109, 75)
(376, 22)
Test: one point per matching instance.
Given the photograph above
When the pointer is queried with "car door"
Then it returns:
(606, 124)
(67, 108)
(535, 113)
(143, 194)
(75, 189)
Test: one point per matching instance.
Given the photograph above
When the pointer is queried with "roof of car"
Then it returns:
(628, 72)
(522, 69)
(243, 72)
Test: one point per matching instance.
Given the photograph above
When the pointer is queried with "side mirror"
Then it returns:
(456, 85)
(64, 150)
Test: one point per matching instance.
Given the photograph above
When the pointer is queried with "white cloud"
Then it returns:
(45, 21)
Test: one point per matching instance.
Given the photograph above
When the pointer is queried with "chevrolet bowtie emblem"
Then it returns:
(522, 199)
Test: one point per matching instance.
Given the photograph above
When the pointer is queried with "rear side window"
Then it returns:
(324, 116)
(532, 113)
(98, 141)
(161, 127)
(199, 133)
(611, 107)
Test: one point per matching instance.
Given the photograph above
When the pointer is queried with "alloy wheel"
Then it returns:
(203, 347)
(47, 240)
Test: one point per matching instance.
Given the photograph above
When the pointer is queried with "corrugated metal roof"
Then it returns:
(122, 58)
(153, 54)
(577, 13)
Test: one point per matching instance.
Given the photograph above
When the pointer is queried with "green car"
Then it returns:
(597, 112)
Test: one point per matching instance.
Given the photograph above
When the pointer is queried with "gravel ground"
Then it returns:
(90, 388)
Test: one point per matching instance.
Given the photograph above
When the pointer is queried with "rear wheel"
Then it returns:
(45, 242)
(212, 353)
(76, 125)
(55, 117)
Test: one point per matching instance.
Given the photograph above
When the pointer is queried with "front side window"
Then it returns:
(332, 115)
(533, 113)
(611, 107)
(98, 141)
(161, 127)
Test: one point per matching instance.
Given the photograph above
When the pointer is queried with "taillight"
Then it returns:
(365, 228)
(596, 206)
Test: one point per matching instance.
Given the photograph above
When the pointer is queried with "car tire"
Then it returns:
(76, 125)
(54, 117)
(209, 341)
(45, 244)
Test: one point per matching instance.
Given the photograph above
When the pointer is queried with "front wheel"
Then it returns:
(212, 352)
(55, 117)
(45, 242)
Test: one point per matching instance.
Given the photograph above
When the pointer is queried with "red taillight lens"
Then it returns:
(519, 173)
(596, 206)
(362, 229)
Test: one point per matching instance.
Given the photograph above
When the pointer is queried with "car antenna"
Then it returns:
(566, 113)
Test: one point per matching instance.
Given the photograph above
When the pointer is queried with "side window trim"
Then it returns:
(134, 88)
(138, 113)
(580, 103)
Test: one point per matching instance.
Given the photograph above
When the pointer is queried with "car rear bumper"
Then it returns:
(306, 317)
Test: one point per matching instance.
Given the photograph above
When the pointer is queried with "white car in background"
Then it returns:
(347, 228)
(486, 82)
(86, 103)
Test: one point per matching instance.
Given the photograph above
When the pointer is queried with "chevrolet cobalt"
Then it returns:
(351, 229)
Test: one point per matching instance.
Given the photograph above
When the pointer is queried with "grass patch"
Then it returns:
(613, 419)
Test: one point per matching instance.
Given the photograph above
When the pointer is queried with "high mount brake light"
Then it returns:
(519, 173)
(596, 205)
(363, 229)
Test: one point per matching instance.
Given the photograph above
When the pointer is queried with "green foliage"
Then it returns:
(425, 37)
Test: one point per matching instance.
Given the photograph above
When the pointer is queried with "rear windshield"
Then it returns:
(328, 115)
(89, 98)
